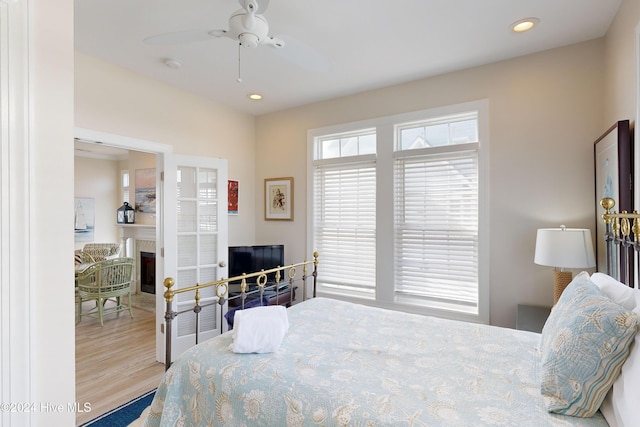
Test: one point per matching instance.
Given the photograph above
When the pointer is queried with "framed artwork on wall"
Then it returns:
(613, 163)
(146, 190)
(84, 219)
(233, 197)
(278, 199)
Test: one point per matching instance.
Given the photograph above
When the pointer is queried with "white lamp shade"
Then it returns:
(565, 248)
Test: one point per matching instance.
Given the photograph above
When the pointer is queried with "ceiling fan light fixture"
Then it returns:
(524, 25)
(249, 40)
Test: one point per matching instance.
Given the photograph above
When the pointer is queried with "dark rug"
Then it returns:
(123, 415)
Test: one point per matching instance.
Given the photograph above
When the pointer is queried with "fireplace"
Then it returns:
(148, 272)
(145, 254)
(139, 241)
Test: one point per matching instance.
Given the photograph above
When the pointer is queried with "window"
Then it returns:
(408, 192)
(436, 213)
(124, 189)
(344, 222)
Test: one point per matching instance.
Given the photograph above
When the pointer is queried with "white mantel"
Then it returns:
(136, 232)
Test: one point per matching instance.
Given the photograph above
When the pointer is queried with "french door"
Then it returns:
(194, 218)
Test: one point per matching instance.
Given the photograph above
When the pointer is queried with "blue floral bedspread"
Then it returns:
(344, 364)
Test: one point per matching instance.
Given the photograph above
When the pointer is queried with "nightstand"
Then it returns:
(531, 317)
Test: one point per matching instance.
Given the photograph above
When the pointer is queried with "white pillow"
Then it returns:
(620, 408)
(618, 292)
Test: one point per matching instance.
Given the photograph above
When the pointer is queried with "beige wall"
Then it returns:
(622, 74)
(99, 179)
(545, 112)
(621, 64)
(114, 100)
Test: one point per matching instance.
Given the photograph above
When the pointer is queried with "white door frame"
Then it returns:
(136, 144)
(636, 148)
(16, 335)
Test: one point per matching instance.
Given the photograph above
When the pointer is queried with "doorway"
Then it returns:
(108, 152)
(152, 235)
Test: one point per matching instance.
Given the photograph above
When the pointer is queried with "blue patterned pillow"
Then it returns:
(585, 341)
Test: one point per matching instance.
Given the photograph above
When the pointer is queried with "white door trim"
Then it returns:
(120, 141)
(16, 345)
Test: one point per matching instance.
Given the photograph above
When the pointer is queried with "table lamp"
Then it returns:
(564, 248)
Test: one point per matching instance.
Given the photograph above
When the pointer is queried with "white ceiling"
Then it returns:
(349, 45)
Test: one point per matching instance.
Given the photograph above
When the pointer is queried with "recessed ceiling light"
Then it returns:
(255, 96)
(524, 25)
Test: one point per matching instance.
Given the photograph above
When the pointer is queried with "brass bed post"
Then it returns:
(304, 282)
(222, 291)
(315, 272)
(169, 315)
(197, 309)
(607, 204)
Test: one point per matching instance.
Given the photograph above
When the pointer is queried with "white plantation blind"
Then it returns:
(436, 225)
(406, 191)
(124, 175)
(345, 225)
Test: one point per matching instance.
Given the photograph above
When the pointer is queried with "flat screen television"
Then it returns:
(249, 259)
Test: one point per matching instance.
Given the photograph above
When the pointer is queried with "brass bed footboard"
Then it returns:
(284, 276)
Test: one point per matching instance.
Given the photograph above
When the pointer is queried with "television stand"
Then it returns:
(284, 297)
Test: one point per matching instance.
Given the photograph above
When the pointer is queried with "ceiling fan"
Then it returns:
(250, 29)
(246, 25)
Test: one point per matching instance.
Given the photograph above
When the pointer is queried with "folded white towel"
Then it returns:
(259, 329)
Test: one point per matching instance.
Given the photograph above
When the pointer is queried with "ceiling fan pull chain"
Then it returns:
(239, 79)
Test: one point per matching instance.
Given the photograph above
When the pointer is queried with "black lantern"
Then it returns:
(126, 214)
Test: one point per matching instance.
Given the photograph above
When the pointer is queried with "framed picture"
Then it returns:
(232, 189)
(613, 160)
(84, 219)
(146, 190)
(278, 199)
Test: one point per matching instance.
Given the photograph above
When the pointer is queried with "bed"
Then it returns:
(349, 364)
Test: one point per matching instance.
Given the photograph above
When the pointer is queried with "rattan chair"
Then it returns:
(105, 281)
(93, 252)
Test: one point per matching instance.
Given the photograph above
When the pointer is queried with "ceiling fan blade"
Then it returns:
(273, 42)
(183, 37)
(302, 55)
(262, 5)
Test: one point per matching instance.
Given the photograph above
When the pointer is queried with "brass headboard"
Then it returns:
(622, 242)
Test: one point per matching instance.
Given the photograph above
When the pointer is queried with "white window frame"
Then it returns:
(364, 232)
(385, 130)
(125, 190)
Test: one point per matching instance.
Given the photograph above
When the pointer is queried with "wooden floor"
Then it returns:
(115, 363)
